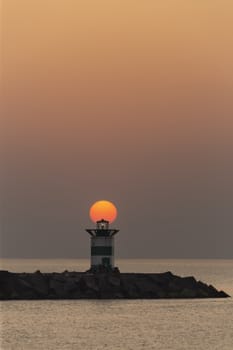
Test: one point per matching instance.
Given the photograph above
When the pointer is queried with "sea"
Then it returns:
(198, 324)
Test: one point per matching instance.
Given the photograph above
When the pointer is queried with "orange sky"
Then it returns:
(92, 65)
(142, 89)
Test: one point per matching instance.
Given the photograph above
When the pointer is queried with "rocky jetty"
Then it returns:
(102, 285)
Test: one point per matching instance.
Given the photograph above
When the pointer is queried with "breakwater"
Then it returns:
(102, 285)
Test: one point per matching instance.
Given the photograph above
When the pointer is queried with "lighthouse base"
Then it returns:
(103, 269)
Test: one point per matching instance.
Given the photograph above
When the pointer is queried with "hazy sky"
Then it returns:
(129, 101)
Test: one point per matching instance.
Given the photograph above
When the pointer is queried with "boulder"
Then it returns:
(102, 284)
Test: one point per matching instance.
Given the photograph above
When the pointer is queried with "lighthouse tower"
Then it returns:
(102, 245)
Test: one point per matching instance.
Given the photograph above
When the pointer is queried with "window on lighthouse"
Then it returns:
(102, 225)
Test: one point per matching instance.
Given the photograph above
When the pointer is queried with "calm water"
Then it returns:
(122, 324)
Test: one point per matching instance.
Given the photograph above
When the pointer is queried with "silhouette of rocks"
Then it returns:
(102, 284)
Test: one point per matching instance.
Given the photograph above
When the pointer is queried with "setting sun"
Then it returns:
(103, 210)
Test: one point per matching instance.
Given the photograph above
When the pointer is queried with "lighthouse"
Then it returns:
(102, 236)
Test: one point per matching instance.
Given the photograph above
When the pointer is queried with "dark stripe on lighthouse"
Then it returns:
(101, 250)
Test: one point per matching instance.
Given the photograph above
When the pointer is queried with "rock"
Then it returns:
(70, 286)
(222, 294)
(56, 289)
(114, 280)
(188, 293)
(88, 283)
(39, 284)
(102, 284)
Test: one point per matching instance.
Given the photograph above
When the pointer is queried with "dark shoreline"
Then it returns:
(102, 285)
